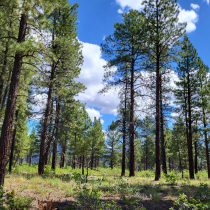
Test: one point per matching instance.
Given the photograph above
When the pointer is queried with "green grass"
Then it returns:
(106, 189)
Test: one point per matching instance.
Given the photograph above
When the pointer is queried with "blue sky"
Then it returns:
(96, 20)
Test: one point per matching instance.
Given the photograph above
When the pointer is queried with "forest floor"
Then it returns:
(106, 189)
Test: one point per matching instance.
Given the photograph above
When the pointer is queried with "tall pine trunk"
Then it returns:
(92, 159)
(190, 149)
(157, 117)
(3, 71)
(206, 144)
(3, 102)
(75, 158)
(83, 163)
(163, 152)
(45, 126)
(13, 144)
(63, 154)
(51, 134)
(131, 142)
(196, 158)
(11, 102)
(56, 134)
(124, 130)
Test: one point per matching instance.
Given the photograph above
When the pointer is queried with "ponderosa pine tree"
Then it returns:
(186, 92)
(163, 32)
(126, 45)
(26, 46)
(147, 136)
(203, 103)
(97, 141)
(64, 63)
(112, 142)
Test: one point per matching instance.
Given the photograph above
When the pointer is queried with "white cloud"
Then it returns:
(92, 77)
(94, 113)
(120, 11)
(191, 17)
(207, 1)
(40, 101)
(195, 6)
(134, 4)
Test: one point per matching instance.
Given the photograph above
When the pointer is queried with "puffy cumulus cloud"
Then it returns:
(134, 4)
(189, 16)
(91, 76)
(94, 113)
(195, 6)
(207, 1)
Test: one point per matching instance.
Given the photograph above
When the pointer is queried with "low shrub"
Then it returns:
(8, 201)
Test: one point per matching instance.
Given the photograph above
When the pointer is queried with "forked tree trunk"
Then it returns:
(11, 102)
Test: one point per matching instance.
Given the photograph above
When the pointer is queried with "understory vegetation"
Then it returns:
(105, 189)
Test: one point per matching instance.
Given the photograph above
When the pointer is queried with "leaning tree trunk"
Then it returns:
(11, 102)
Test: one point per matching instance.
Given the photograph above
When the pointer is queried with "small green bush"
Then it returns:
(8, 199)
(23, 202)
(171, 177)
(191, 203)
